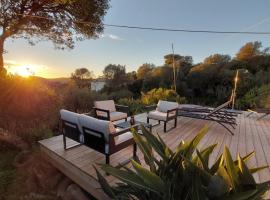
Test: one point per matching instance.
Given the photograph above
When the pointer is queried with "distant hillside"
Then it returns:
(53, 82)
(60, 80)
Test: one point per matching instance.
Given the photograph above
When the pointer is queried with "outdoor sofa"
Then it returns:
(100, 135)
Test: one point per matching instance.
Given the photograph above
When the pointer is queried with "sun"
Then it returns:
(24, 71)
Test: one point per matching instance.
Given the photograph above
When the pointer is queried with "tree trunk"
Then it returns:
(2, 69)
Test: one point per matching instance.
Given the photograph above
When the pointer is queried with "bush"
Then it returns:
(257, 97)
(120, 94)
(81, 99)
(183, 174)
(135, 106)
(27, 104)
(154, 95)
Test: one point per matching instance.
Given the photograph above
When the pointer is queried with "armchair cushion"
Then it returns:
(106, 105)
(164, 106)
(114, 116)
(123, 137)
(102, 126)
(157, 115)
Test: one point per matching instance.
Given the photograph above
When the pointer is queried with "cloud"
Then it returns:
(112, 37)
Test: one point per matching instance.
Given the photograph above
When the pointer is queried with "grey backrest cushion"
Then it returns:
(103, 126)
(106, 105)
(164, 106)
(69, 117)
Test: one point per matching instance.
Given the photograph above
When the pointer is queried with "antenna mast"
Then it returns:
(174, 70)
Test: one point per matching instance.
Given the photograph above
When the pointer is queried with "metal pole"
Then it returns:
(234, 89)
(174, 71)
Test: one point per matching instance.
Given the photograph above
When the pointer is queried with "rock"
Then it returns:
(47, 176)
(31, 184)
(73, 192)
(13, 139)
(62, 186)
(22, 159)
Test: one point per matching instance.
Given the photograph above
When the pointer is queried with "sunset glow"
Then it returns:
(22, 70)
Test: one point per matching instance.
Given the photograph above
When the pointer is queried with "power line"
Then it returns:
(188, 30)
(164, 29)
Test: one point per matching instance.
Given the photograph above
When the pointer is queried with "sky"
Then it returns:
(132, 48)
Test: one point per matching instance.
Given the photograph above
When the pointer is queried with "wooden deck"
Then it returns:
(77, 163)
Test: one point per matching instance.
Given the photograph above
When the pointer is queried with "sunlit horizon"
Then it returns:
(28, 69)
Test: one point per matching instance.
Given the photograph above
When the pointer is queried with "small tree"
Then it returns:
(82, 77)
(55, 20)
(115, 75)
(250, 50)
(144, 70)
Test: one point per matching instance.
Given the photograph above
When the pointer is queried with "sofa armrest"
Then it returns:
(122, 108)
(125, 130)
(102, 110)
(171, 111)
(150, 107)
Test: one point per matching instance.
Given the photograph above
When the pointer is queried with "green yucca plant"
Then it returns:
(183, 174)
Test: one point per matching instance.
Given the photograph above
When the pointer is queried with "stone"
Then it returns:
(74, 192)
(62, 186)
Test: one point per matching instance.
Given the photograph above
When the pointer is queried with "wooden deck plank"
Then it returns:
(250, 134)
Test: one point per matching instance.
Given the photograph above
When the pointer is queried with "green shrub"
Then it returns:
(257, 97)
(135, 105)
(154, 95)
(120, 94)
(27, 104)
(7, 169)
(81, 99)
(183, 174)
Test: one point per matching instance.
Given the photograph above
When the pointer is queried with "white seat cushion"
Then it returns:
(164, 106)
(123, 137)
(157, 115)
(114, 115)
(117, 116)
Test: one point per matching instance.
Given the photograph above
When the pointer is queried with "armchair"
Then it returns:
(165, 111)
(108, 110)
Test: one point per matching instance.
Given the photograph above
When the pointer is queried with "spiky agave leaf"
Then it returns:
(105, 185)
(215, 166)
(245, 175)
(149, 178)
(146, 149)
(154, 143)
(231, 169)
(128, 177)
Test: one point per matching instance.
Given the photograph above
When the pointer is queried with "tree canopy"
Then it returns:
(144, 70)
(82, 77)
(115, 75)
(250, 50)
(60, 21)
